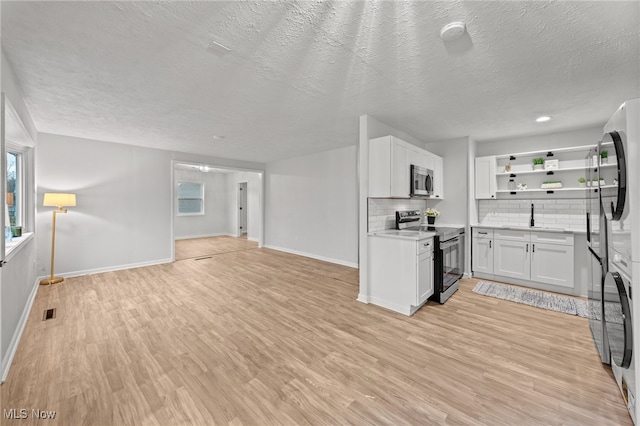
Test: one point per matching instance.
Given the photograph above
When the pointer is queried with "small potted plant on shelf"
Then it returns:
(604, 157)
(431, 215)
(582, 182)
(538, 163)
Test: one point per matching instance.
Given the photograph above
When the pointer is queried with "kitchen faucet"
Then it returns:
(533, 222)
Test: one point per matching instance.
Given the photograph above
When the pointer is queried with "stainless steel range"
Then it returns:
(448, 254)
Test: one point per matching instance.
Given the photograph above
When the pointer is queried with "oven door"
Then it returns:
(452, 261)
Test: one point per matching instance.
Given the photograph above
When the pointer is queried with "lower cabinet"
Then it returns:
(483, 247)
(400, 273)
(512, 259)
(533, 258)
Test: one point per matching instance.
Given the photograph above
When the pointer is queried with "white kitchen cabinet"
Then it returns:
(552, 263)
(388, 167)
(536, 259)
(390, 159)
(425, 277)
(482, 259)
(512, 259)
(485, 178)
(400, 273)
(438, 175)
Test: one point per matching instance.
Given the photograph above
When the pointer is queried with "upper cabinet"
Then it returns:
(486, 183)
(438, 175)
(390, 160)
(388, 167)
(537, 174)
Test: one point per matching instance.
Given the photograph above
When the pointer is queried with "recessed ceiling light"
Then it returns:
(217, 48)
(543, 118)
(453, 31)
(218, 137)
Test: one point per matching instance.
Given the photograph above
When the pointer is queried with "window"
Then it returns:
(190, 198)
(14, 196)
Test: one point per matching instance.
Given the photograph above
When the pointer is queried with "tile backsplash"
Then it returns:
(382, 211)
(557, 213)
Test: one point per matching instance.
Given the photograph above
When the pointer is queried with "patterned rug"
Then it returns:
(539, 299)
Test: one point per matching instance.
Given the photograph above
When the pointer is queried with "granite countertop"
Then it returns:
(527, 228)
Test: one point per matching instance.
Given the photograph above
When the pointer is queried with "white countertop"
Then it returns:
(403, 234)
(527, 228)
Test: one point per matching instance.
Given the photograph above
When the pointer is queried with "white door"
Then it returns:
(486, 184)
(400, 170)
(242, 208)
(483, 255)
(552, 264)
(438, 177)
(425, 277)
(511, 259)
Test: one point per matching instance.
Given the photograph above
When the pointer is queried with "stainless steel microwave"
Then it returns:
(421, 182)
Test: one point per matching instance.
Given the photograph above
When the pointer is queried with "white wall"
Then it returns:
(217, 197)
(18, 282)
(311, 206)
(550, 141)
(124, 195)
(453, 208)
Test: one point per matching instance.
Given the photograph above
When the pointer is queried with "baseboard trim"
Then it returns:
(313, 256)
(109, 269)
(191, 237)
(17, 335)
(252, 239)
(362, 298)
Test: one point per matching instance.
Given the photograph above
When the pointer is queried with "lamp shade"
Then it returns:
(59, 200)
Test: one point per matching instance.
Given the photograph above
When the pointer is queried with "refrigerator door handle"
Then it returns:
(595, 255)
(588, 227)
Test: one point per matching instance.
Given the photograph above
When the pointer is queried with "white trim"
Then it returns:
(109, 269)
(17, 334)
(404, 310)
(189, 237)
(253, 239)
(313, 256)
(362, 298)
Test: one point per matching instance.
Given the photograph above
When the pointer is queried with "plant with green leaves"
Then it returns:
(604, 154)
(538, 161)
(582, 180)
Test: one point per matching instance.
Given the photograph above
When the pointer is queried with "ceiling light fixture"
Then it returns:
(543, 118)
(217, 48)
(217, 137)
(453, 31)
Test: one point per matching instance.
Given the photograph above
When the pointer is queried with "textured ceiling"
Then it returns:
(300, 73)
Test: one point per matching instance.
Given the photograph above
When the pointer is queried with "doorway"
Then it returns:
(243, 227)
(230, 209)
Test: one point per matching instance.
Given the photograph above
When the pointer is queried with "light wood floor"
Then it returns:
(200, 247)
(260, 337)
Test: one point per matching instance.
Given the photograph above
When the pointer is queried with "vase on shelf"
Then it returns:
(431, 220)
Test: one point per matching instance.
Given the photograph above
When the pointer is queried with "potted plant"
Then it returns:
(538, 163)
(604, 157)
(431, 215)
(582, 182)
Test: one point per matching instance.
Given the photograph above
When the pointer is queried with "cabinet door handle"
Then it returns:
(527, 248)
(482, 233)
(489, 243)
(533, 247)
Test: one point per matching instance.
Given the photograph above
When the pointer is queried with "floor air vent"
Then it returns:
(49, 314)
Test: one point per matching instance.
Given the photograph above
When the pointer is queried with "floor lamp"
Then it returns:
(60, 201)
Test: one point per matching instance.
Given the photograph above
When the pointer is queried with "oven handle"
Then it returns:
(449, 243)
